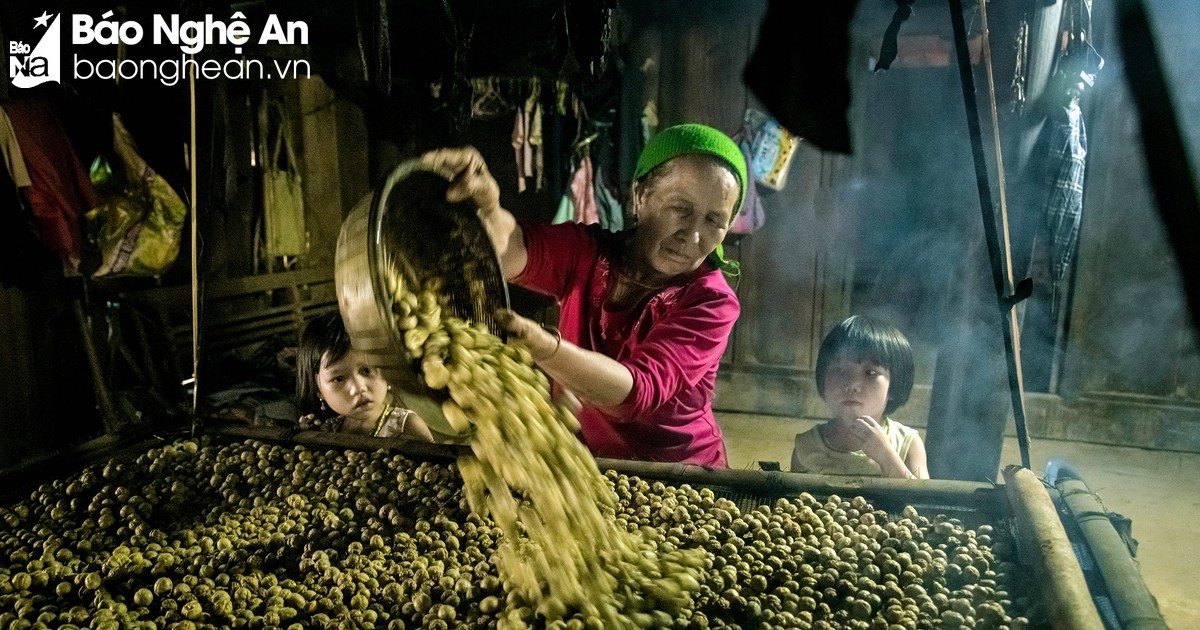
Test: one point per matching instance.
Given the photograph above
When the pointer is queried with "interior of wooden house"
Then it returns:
(1042, 335)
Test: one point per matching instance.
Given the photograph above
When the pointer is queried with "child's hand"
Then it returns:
(874, 442)
(872, 438)
(311, 422)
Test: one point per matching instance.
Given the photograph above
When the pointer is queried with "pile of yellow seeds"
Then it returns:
(561, 549)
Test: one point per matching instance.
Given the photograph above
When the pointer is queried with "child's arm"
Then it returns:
(916, 460)
(797, 459)
(415, 428)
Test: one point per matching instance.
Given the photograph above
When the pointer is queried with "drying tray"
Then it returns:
(1021, 505)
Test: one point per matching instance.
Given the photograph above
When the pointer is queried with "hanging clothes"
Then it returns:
(1065, 168)
(527, 145)
(579, 205)
(14, 160)
(751, 217)
(536, 141)
(609, 211)
(59, 192)
(22, 257)
(518, 144)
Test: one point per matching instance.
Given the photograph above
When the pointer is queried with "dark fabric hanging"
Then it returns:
(23, 260)
(798, 69)
(889, 48)
(61, 192)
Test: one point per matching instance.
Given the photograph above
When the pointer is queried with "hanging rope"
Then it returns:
(195, 258)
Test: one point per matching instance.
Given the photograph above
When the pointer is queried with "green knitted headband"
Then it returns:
(693, 138)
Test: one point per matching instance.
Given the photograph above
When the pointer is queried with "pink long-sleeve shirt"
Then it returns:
(671, 342)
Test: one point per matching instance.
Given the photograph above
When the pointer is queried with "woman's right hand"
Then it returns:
(469, 177)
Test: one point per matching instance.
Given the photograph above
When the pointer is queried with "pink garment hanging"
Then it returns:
(584, 194)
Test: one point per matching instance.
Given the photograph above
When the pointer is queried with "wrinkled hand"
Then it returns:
(469, 177)
(568, 399)
(542, 343)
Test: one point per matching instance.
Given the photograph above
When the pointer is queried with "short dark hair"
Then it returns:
(324, 334)
(864, 338)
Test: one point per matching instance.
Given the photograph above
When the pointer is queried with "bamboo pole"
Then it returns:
(1056, 570)
(1132, 601)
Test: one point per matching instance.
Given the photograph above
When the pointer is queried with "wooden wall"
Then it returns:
(892, 229)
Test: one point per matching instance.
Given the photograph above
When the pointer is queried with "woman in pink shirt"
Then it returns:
(645, 313)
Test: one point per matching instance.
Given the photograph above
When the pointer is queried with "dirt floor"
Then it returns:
(1158, 490)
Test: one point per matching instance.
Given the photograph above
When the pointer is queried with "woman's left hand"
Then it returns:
(542, 343)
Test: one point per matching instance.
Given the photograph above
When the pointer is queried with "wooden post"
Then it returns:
(108, 412)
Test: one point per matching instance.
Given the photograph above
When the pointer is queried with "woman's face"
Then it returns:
(351, 387)
(683, 214)
(856, 388)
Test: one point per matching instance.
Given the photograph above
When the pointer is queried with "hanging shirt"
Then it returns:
(671, 343)
(14, 160)
(59, 192)
(581, 206)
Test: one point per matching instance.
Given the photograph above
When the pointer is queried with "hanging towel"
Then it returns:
(59, 192)
(566, 211)
(1066, 165)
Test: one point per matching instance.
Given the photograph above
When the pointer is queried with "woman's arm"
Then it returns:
(470, 180)
(596, 379)
(677, 352)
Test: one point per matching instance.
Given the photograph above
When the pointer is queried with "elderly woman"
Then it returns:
(646, 313)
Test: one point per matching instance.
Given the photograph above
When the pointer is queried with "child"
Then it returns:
(336, 390)
(864, 372)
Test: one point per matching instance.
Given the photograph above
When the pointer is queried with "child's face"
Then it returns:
(854, 389)
(352, 388)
